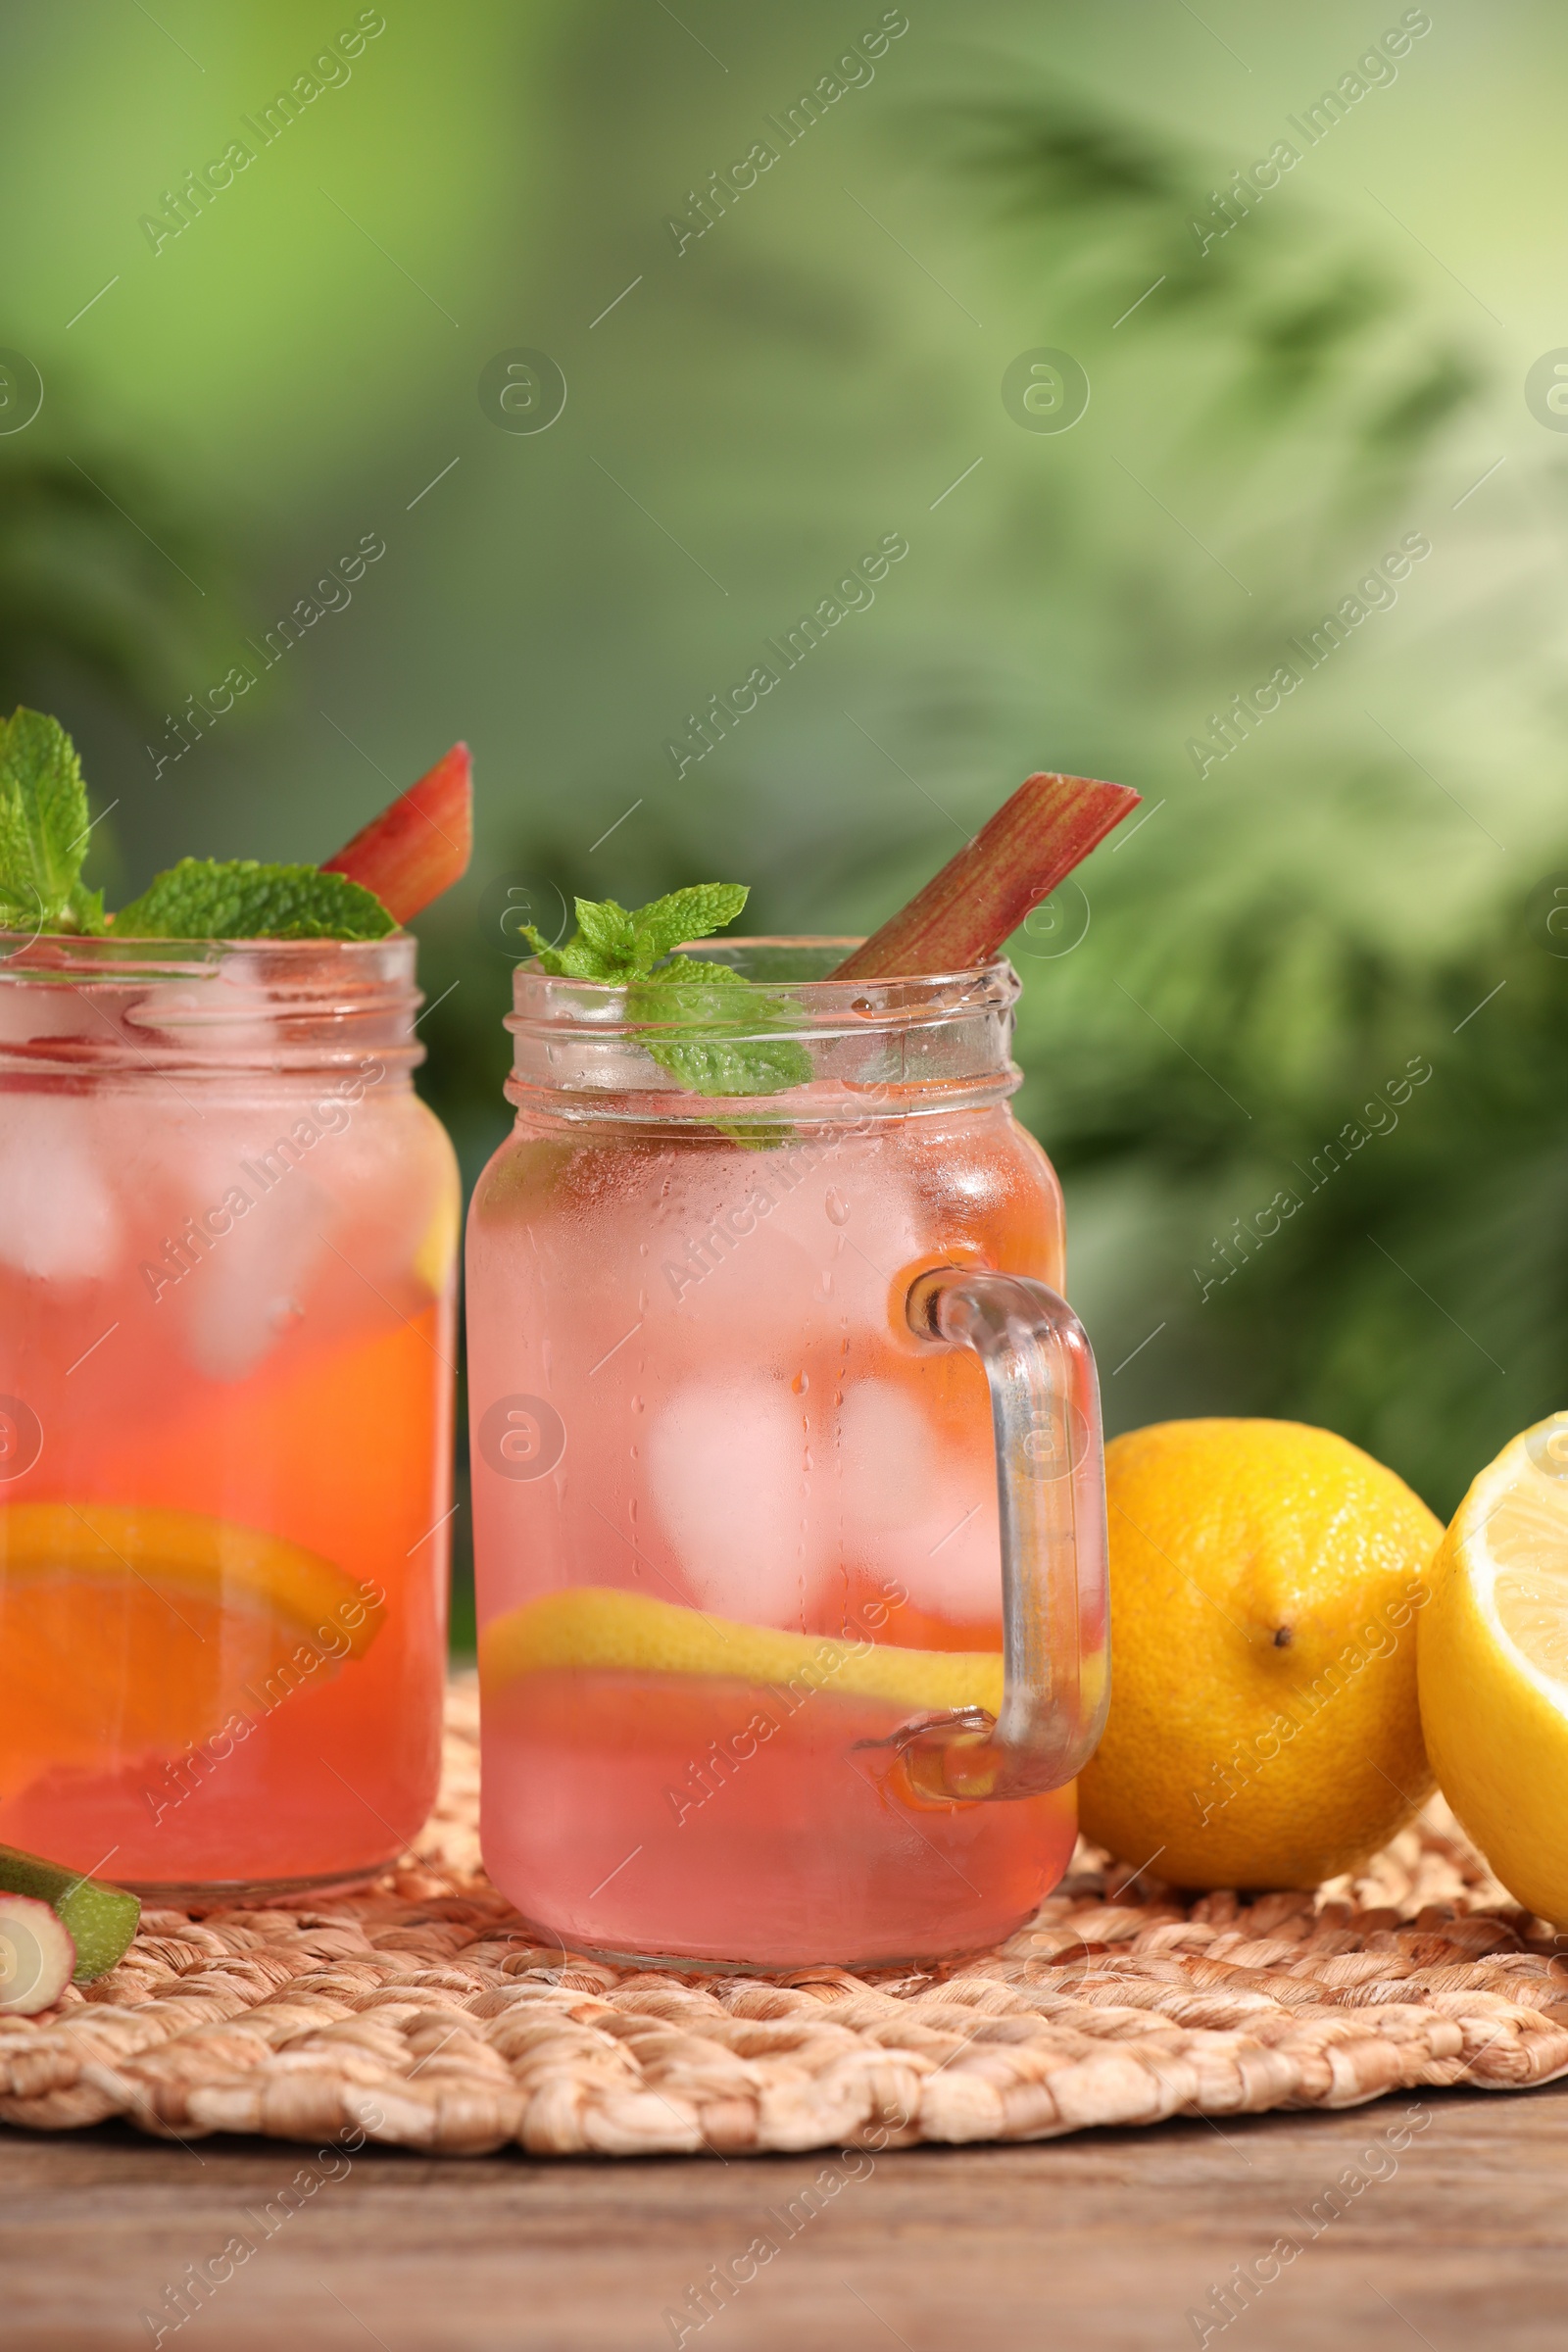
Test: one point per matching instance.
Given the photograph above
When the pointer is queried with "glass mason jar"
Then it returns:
(227, 1234)
(789, 1502)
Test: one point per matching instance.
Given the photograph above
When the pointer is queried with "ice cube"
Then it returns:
(886, 1446)
(950, 1563)
(244, 1294)
(750, 1231)
(58, 1214)
(918, 1511)
(726, 1471)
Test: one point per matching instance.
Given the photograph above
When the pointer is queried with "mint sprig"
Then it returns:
(43, 829)
(613, 943)
(206, 898)
(634, 948)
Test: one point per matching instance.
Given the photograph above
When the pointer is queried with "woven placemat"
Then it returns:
(422, 2013)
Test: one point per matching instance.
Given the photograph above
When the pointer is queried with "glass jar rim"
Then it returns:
(796, 1044)
(35, 953)
(903, 996)
(72, 1005)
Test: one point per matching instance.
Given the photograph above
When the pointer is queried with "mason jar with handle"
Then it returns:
(789, 1497)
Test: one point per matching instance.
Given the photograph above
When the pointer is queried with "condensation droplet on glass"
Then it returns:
(827, 1278)
(638, 1405)
(838, 1208)
(863, 1007)
(801, 1383)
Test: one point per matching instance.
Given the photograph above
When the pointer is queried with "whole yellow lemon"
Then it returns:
(1265, 1583)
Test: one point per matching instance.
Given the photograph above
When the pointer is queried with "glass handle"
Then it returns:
(1050, 1488)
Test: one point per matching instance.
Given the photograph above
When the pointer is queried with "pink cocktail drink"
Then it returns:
(796, 1844)
(737, 1518)
(226, 1235)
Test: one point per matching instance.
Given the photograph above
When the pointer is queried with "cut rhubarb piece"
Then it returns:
(1018, 856)
(97, 1920)
(418, 846)
(37, 1956)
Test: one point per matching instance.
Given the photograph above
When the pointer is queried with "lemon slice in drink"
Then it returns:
(1494, 1666)
(127, 1631)
(438, 1244)
(598, 1629)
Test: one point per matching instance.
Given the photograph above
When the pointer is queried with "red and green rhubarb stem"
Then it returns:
(420, 845)
(980, 897)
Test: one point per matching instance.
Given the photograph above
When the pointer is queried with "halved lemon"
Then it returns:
(599, 1629)
(1494, 1666)
(127, 1631)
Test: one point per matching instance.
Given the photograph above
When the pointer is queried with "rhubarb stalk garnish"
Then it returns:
(1017, 858)
(420, 844)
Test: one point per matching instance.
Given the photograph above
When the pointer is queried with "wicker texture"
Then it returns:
(422, 2014)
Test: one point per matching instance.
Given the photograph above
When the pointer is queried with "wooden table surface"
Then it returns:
(1110, 2239)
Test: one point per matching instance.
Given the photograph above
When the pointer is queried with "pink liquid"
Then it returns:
(626, 1796)
(292, 1381)
(692, 1379)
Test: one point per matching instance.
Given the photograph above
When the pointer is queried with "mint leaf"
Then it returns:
(206, 897)
(609, 931)
(579, 959)
(84, 910)
(43, 829)
(709, 1002)
(611, 944)
(43, 839)
(693, 1008)
(686, 915)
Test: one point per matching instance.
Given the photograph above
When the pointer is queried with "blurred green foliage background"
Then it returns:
(1364, 881)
